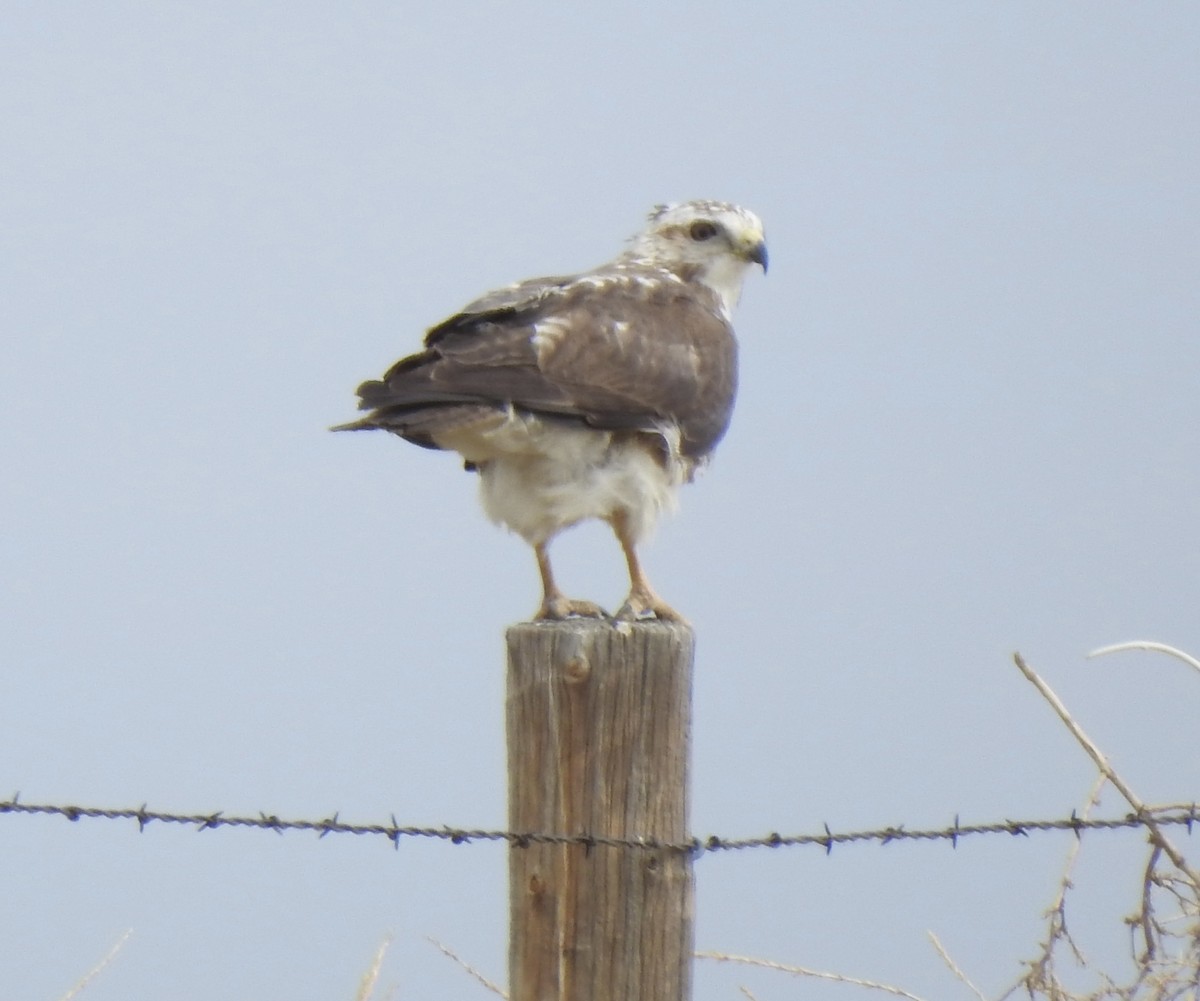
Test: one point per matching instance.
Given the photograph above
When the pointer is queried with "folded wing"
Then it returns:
(618, 349)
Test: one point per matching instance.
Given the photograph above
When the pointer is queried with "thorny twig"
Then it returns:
(1167, 966)
(1039, 975)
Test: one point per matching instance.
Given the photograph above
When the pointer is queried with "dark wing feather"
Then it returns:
(515, 300)
(607, 350)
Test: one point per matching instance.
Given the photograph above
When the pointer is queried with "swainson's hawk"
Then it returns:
(587, 396)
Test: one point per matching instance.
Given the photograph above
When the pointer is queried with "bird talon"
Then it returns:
(638, 607)
(558, 608)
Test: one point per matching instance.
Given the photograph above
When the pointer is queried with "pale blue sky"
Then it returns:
(967, 425)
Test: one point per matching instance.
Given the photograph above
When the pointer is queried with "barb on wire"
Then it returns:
(1186, 814)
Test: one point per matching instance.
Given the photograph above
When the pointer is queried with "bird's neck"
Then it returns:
(723, 277)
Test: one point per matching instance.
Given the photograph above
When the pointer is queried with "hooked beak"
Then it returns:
(757, 254)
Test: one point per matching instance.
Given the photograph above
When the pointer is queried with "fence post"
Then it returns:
(599, 724)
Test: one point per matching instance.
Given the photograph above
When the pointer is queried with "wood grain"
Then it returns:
(599, 720)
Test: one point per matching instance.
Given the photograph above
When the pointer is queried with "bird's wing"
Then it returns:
(616, 349)
(518, 299)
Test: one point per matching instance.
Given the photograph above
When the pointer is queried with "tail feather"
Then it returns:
(365, 424)
(419, 424)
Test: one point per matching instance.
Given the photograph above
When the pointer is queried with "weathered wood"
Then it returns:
(599, 726)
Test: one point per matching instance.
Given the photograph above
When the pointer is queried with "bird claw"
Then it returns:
(559, 607)
(646, 605)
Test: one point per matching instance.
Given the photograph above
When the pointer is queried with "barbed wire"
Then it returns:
(1186, 815)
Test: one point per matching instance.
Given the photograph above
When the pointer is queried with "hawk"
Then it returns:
(595, 395)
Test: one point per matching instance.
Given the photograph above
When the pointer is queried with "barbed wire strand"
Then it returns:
(1186, 815)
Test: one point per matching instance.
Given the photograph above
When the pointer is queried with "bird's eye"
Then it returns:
(702, 230)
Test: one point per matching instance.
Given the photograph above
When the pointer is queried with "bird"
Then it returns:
(594, 395)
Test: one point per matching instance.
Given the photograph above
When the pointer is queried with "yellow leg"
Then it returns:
(555, 604)
(642, 600)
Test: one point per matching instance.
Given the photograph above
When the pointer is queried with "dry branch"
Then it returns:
(96, 970)
(1167, 966)
(803, 971)
(954, 967)
(366, 986)
(1106, 769)
(1187, 658)
(449, 953)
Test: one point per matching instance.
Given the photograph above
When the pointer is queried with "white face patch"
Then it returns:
(718, 260)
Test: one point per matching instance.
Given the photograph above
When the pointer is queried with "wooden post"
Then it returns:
(599, 724)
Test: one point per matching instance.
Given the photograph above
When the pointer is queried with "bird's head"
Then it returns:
(705, 241)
